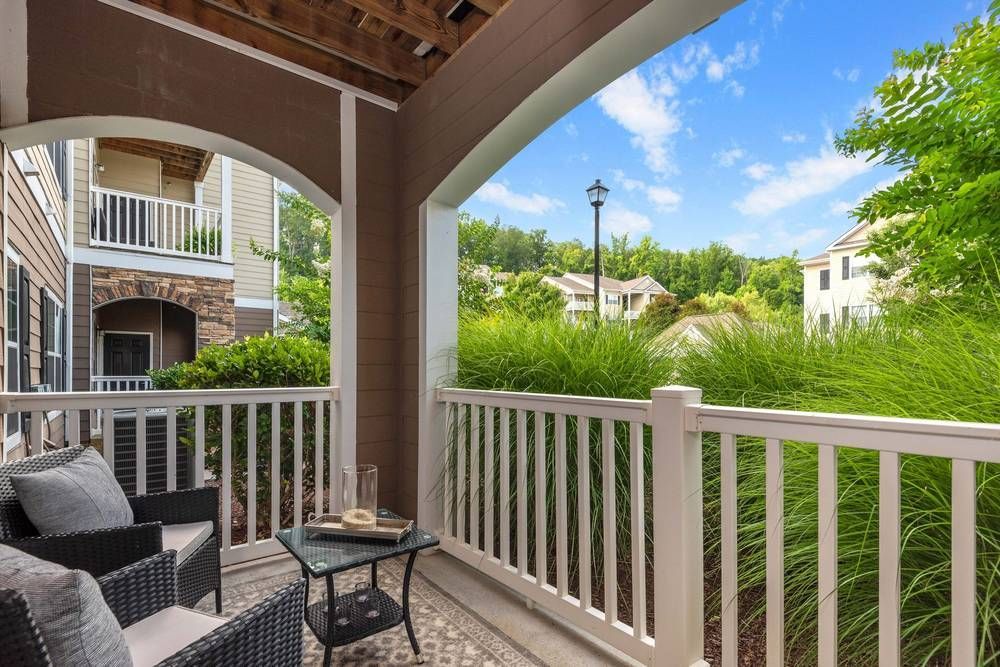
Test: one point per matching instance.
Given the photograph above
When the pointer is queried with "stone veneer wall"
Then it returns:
(211, 299)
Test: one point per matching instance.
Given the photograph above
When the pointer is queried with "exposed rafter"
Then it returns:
(415, 18)
(385, 47)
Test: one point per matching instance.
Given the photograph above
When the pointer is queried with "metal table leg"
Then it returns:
(331, 612)
(406, 608)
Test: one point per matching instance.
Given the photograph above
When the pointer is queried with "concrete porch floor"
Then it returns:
(547, 637)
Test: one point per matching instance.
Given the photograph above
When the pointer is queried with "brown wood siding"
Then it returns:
(32, 238)
(86, 58)
(253, 322)
(81, 338)
(378, 299)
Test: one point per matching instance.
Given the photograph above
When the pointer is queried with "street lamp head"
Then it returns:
(597, 193)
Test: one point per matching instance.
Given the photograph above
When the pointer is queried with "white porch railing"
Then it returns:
(481, 499)
(121, 383)
(130, 221)
(149, 436)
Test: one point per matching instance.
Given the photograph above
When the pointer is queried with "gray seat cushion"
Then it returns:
(157, 637)
(75, 622)
(184, 538)
(80, 495)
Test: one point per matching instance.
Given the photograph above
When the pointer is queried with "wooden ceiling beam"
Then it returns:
(203, 168)
(416, 18)
(491, 7)
(323, 29)
(282, 46)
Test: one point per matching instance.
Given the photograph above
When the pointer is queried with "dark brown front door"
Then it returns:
(126, 354)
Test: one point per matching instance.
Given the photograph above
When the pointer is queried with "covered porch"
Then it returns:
(390, 146)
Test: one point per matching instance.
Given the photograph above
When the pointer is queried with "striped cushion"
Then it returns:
(74, 620)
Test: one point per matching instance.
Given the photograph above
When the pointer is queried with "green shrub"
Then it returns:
(660, 313)
(264, 361)
(202, 241)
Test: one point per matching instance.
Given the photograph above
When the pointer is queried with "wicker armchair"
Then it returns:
(270, 633)
(102, 551)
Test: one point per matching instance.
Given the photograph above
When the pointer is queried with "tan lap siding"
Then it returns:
(253, 322)
(253, 218)
(81, 192)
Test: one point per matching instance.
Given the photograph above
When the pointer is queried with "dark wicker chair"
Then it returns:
(269, 633)
(102, 551)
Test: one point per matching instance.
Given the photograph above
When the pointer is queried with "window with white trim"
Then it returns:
(53, 342)
(13, 357)
(612, 299)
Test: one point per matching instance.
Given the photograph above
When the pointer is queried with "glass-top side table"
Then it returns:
(323, 555)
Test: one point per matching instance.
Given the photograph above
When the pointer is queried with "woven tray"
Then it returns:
(392, 530)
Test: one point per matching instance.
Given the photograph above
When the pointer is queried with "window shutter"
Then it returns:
(24, 326)
(845, 268)
(44, 300)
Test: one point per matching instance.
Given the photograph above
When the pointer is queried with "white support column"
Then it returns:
(438, 337)
(677, 531)
(227, 208)
(344, 299)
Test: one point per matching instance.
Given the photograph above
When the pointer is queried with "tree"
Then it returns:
(938, 124)
(475, 289)
(477, 239)
(530, 296)
(303, 257)
(778, 281)
(659, 313)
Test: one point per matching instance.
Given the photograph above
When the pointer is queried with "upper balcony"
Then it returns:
(130, 221)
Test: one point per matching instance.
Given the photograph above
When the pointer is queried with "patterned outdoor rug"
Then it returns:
(449, 633)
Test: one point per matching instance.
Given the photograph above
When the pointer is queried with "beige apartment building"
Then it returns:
(125, 255)
(836, 283)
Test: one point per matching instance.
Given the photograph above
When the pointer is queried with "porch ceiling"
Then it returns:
(178, 161)
(387, 47)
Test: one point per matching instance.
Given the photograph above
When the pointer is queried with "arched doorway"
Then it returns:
(132, 336)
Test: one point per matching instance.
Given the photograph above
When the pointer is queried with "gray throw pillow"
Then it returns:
(74, 620)
(80, 495)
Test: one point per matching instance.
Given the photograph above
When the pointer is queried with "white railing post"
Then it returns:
(677, 530)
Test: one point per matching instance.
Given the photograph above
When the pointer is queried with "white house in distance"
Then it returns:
(836, 282)
(619, 298)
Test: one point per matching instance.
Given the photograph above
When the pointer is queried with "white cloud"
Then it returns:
(715, 71)
(729, 157)
(758, 171)
(851, 75)
(735, 87)
(572, 130)
(533, 204)
(802, 179)
(691, 60)
(628, 184)
(775, 237)
(618, 220)
(638, 105)
(663, 198)
(793, 137)
(841, 207)
(778, 12)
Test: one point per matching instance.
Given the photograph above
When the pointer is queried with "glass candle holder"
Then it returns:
(360, 496)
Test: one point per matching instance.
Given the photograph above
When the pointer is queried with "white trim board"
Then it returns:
(122, 259)
(250, 302)
(249, 51)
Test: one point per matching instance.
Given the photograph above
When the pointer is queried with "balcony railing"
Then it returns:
(167, 440)
(121, 383)
(514, 461)
(129, 221)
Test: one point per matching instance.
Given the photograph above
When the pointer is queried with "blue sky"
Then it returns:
(726, 135)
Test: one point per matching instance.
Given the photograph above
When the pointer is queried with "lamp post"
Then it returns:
(597, 194)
